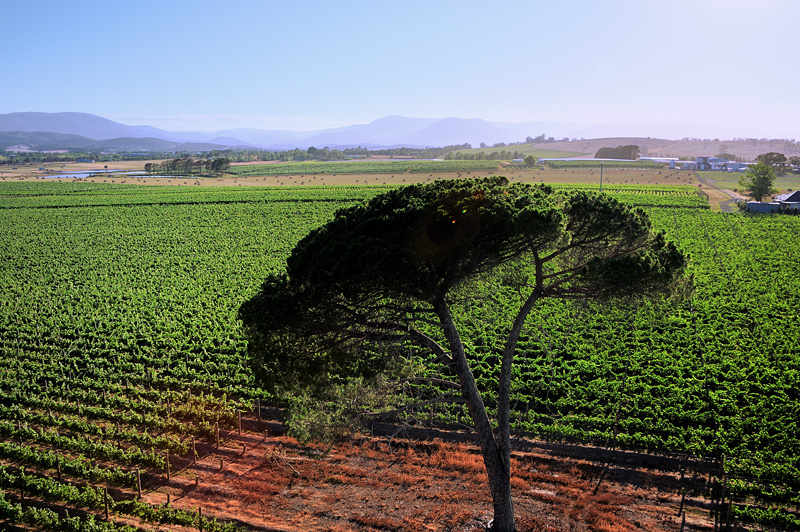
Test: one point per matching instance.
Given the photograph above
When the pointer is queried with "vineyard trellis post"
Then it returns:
(105, 501)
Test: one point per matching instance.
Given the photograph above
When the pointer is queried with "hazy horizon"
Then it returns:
(724, 66)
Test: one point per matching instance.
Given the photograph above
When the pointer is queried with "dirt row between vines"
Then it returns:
(427, 480)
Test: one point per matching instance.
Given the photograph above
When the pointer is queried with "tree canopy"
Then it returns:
(629, 152)
(758, 180)
(776, 161)
(389, 271)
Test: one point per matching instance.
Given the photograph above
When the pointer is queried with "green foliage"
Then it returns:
(343, 409)
(47, 519)
(413, 243)
(758, 181)
(188, 166)
(100, 283)
(162, 514)
(630, 152)
(379, 272)
(776, 161)
(364, 167)
(372, 273)
(514, 151)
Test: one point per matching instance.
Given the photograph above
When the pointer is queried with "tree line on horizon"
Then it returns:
(628, 152)
(188, 166)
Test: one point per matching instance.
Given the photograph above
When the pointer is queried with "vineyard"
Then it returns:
(124, 361)
(595, 163)
(363, 167)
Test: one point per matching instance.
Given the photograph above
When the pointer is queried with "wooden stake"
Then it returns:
(216, 430)
(258, 408)
(166, 459)
(139, 482)
(240, 421)
(168, 498)
(728, 515)
(194, 451)
(105, 501)
(200, 518)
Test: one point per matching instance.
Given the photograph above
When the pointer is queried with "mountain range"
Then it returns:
(87, 131)
(68, 130)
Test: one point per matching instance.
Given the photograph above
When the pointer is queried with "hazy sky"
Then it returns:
(295, 64)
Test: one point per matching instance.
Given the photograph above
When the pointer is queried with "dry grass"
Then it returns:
(408, 485)
(653, 147)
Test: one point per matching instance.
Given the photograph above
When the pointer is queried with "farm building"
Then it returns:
(671, 161)
(711, 163)
(788, 203)
(766, 208)
(789, 197)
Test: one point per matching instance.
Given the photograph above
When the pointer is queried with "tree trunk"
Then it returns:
(496, 457)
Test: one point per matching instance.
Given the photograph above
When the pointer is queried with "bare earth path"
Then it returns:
(726, 205)
(384, 483)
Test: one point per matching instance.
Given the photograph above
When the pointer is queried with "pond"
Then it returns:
(79, 175)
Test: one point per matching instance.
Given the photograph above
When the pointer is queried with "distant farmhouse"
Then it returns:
(788, 203)
(710, 163)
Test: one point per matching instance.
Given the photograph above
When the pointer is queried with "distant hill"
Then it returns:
(91, 132)
(389, 131)
(83, 124)
(44, 141)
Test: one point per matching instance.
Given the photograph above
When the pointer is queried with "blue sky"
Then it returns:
(210, 65)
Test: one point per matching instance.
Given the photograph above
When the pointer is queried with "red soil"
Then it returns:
(384, 484)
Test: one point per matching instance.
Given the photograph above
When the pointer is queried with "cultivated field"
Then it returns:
(125, 370)
(383, 172)
(748, 149)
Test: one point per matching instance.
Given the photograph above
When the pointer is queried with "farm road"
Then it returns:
(725, 206)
